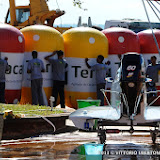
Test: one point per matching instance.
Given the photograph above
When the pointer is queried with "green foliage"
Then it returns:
(77, 3)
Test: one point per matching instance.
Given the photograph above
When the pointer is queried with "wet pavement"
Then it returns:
(70, 146)
(45, 147)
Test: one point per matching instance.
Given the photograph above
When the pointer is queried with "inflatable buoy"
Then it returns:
(149, 49)
(12, 46)
(148, 45)
(121, 40)
(81, 43)
(44, 40)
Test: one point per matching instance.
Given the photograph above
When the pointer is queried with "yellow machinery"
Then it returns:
(36, 12)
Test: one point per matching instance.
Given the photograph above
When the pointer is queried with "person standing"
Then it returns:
(3, 68)
(36, 67)
(59, 68)
(101, 72)
(152, 72)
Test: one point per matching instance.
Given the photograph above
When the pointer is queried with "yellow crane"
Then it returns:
(37, 12)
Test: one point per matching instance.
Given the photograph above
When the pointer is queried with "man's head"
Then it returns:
(60, 54)
(34, 54)
(153, 60)
(100, 59)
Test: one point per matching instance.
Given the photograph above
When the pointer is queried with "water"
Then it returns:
(45, 147)
(70, 146)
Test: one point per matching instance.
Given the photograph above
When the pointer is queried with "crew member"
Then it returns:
(101, 72)
(36, 67)
(3, 68)
(152, 72)
(59, 66)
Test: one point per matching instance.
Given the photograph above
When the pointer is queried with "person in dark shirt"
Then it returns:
(59, 66)
(152, 72)
(3, 68)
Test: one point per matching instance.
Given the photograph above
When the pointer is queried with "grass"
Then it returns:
(29, 110)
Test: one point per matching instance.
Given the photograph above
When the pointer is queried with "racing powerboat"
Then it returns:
(128, 103)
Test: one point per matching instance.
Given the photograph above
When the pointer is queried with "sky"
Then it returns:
(98, 10)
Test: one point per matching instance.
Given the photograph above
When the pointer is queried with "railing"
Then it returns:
(124, 100)
(155, 98)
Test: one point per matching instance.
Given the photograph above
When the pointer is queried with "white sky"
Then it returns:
(98, 10)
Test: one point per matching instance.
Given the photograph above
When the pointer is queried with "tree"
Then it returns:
(79, 4)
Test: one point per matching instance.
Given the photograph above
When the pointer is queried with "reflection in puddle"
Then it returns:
(88, 151)
(128, 151)
(79, 146)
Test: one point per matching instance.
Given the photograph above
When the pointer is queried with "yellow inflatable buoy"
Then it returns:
(81, 43)
(45, 40)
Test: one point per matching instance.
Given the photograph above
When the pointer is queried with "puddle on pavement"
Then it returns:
(80, 146)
